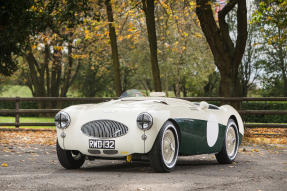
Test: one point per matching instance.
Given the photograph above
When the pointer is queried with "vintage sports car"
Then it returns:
(155, 128)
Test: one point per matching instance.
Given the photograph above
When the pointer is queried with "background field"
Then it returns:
(29, 120)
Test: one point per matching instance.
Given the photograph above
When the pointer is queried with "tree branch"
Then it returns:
(241, 32)
(224, 28)
(211, 32)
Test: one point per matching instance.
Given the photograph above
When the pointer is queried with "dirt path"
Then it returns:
(35, 167)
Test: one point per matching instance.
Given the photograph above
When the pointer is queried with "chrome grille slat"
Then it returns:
(101, 130)
(113, 127)
(107, 130)
(110, 129)
(96, 131)
(104, 129)
(93, 131)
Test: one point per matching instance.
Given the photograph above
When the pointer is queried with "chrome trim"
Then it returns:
(104, 129)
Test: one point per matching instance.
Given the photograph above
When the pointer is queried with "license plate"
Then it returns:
(101, 144)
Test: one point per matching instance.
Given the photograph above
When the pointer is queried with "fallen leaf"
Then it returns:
(4, 164)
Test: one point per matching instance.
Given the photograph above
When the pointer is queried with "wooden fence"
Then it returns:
(18, 111)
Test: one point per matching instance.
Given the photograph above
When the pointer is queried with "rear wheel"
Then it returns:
(70, 159)
(165, 149)
(230, 146)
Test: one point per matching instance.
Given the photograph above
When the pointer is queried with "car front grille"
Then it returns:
(104, 129)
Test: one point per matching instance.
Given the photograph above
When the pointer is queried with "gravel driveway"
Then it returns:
(35, 167)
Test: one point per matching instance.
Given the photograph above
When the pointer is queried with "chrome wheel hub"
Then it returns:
(168, 147)
(231, 141)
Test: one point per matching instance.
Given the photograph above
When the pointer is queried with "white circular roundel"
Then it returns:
(212, 130)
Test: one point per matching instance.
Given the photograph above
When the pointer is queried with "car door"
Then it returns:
(201, 132)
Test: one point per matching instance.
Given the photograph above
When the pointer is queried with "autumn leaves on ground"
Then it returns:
(28, 137)
(272, 136)
(39, 137)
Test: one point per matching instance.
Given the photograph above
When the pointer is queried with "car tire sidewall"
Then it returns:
(222, 157)
(66, 159)
(171, 127)
(157, 160)
(232, 124)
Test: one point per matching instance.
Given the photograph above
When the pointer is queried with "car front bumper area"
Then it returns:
(73, 138)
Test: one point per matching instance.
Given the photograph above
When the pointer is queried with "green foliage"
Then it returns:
(271, 16)
(15, 26)
(20, 19)
(272, 87)
(264, 118)
(212, 87)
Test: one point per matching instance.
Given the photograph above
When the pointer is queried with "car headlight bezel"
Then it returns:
(62, 120)
(144, 121)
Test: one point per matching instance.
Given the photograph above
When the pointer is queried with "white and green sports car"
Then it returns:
(156, 128)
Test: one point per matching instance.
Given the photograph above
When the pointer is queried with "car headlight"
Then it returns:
(144, 121)
(62, 120)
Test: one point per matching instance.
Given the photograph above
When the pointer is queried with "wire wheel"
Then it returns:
(168, 147)
(230, 146)
(165, 149)
(230, 141)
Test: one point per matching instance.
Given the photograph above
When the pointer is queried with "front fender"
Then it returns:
(230, 111)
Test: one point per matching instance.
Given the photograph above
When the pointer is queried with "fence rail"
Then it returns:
(17, 111)
(99, 99)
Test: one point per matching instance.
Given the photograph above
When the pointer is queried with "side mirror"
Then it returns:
(203, 105)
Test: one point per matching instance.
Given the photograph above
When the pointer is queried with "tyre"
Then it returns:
(230, 145)
(165, 149)
(70, 159)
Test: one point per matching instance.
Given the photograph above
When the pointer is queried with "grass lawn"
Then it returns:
(15, 91)
(24, 91)
(28, 120)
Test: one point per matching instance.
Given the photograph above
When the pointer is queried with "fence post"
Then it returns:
(17, 116)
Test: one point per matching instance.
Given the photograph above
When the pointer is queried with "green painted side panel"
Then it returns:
(240, 138)
(193, 137)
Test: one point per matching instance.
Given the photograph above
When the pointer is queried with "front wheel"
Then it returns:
(165, 149)
(70, 159)
(230, 145)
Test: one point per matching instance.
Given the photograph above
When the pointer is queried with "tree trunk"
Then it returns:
(230, 86)
(114, 47)
(148, 7)
(35, 75)
(48, 81)
(174, 89)
(227, 56)
(244, 91)
(56, 73)
(67, 76)
(285, 84)
(166, 83)
(229, 83)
